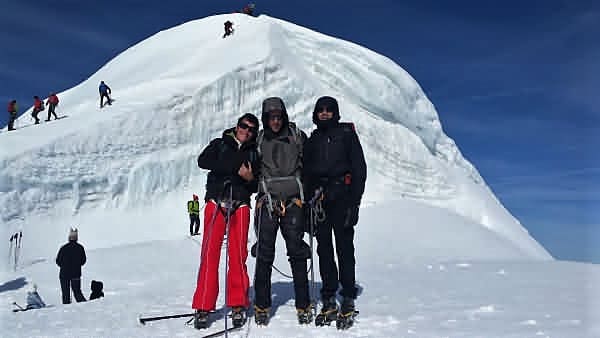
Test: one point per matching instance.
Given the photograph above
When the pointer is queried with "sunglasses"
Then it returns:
(276, 118)
(245, 126)
(324, 109)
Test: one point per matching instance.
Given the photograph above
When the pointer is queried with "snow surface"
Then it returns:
(438, 255)
(401, 295)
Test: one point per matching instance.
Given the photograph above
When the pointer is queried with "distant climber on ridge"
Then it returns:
(228, 29)
(249, 9)
(12, 111)
(38, 106)
(104, 93)
(52, 102)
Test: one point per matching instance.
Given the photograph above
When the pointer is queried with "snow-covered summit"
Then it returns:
(132, 164)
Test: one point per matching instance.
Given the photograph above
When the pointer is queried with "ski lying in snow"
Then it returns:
(143, 320)
(223, 332)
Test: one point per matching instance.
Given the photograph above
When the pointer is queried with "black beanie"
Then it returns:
(326, 102)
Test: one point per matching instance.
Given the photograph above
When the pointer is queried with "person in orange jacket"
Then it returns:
(38, 106)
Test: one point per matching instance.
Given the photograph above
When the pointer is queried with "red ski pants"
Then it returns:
(207, 288)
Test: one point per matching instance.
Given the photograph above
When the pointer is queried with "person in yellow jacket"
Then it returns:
(194, 211)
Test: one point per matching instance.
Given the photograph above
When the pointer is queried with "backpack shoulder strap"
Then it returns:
(294, 131)
(259, 140)
(348, 127)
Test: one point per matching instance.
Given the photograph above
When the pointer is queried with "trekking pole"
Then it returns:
(312, 264)
(228, 205)
(311, 204)
(258, 221)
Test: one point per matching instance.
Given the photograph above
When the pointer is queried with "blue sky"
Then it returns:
(515, 82)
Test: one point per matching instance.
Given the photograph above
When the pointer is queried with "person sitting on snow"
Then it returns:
(34, 301)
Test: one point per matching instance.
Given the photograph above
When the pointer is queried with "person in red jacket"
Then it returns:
(12, 111)
(52, 103)
(38, 106)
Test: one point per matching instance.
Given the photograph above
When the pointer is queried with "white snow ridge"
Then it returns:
(122, 175)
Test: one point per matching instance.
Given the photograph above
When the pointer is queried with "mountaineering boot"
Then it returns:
(238, 316)
(261, 316)
(305, 316)
(201, 319)
(328, 312)
(345, 318)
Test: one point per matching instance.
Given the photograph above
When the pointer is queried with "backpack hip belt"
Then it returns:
(281, 207)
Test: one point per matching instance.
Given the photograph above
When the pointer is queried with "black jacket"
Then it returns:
(70, 258)
(331, 153)
(223, 158)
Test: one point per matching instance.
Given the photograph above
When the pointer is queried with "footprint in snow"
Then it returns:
(529, 322)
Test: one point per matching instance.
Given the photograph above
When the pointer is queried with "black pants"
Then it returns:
(51, 108)
(344, 244)
(11, 121)
(292, 229)
(108, 100)
(34, 114)
(194, 220)
(75, 285)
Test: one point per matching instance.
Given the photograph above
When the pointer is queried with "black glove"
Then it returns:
(351, 216)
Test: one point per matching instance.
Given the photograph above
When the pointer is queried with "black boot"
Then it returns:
(328, 312)
(305, 316)
(238, 316)
(345, 318)
(201, 319)
(261, 316)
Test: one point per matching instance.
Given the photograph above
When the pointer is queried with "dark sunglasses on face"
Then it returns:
(324, 109)
(245, 126)
(276, 118)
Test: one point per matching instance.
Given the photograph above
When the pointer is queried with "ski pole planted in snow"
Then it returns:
(18, 237)
(10, 247)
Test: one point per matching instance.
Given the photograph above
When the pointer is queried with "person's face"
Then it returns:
(245, 131)
(275, 121)
(325, 114)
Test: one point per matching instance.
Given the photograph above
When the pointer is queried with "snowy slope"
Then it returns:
(132, 165)
(401, 295)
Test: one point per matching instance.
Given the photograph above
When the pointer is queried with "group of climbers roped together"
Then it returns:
(51, 103)
(296, 178)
